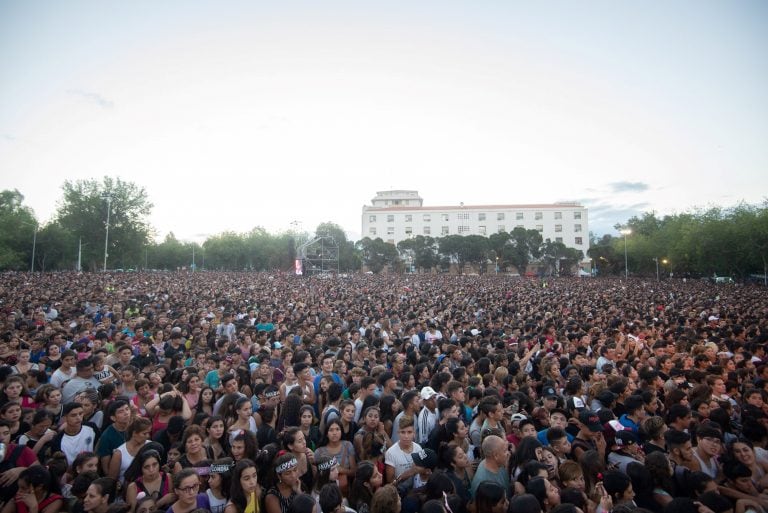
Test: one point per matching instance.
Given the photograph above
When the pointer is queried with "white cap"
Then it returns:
(427, 393)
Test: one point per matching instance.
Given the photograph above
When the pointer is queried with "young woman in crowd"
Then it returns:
(145, 475)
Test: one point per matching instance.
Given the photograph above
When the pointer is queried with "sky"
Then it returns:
(284, 115)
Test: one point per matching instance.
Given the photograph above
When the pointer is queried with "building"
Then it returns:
(394, 216)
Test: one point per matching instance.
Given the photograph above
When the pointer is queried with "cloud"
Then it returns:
(93, 98)
(603, 217)
(629, 186)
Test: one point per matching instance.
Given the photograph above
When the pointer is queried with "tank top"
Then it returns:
(165, 485)
(285, 502)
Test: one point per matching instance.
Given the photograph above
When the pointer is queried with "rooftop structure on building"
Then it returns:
(398, 215)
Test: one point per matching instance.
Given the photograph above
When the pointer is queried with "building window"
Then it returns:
(390, 230)
(558, 215)
(481, 216)
(371, 219)
(390, 218)
(427, 217)
(558, 227)
(500, 216)
(481, 230)
(501, 229)
(462, 216)
(463, 230)
(372, 230)
(579, 241)
(444, 217)
(408, 218)
(444, 230)
(395, 202)
(576, 228)
(427, 230)
(538, 216)
(519, 216)
(408, 230)
(539, 227)
(577, 215)
(559, 239)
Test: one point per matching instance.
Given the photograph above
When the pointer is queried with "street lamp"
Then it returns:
(107, 197)
(34, 246)
(625, 232)
(656, 259)
(497, 265)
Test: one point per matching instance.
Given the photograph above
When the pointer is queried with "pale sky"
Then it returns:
(236, 114)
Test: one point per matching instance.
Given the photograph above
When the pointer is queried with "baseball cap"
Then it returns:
(427, 393)
(625, 438)
(425, 458)
(548, 392)
(590, 419)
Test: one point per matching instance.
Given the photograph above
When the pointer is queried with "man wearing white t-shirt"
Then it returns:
(75, 438)
(398, 459)
(66, 371)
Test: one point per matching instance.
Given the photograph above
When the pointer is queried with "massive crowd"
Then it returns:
(255, 392)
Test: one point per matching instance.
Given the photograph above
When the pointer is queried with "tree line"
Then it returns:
(717, 241)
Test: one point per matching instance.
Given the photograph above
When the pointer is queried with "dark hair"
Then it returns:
(330, 498)
(133, 472)
(107, 486)
(37, 475)
(616, 483)
(487, 495)
(68, 408)
(359, 493)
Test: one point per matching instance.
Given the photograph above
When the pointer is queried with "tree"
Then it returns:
(377, 254)
(17, 231)
(422, 250)
(83, 212)
(524, 246)
(558, 259)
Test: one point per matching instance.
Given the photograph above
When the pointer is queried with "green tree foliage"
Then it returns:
(558, 259)
(17, 231)
(422, 252)
(524, 246)
(377, 254)
(83, 213)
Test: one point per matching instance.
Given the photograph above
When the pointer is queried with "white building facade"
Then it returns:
(398, 215)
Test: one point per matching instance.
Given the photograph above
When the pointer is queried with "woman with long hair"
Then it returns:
(290, 412)
(545, 492)
(327, 473)
(217, 443)
(308, 427)
(279, 498)
(245, 492)
(48, 398)
(454, 461)
(370, 440)
(38, 492)
(206, 400)
(293, 441)
(219, 484)
(15, 390)
(390, 406)
(241, 417)
(344, 452)
(100, 494)
(244, 447)
(367, 480)
(145, 475)
(137, 436)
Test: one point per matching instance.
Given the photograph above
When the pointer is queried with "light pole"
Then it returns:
(656, 259)
(497, 265)
(34, 247)
(625, 232)
(107, 197)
